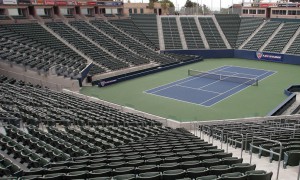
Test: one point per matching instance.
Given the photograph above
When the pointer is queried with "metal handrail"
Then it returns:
(220, 136)
(296, 125)
(241, 142)
(279, 154)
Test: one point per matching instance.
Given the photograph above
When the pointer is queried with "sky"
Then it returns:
(212, 4)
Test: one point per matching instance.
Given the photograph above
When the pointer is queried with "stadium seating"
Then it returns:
(65, 60)
(108, 44)
(262, 35)
(247, 27)
(266, 129)
(129, 27)
(295, 47)
(229, 24)
(136, 47)
(82, 44)
(211, 32)
(282, 37)
(191, 33)
(32, 54)
(3, 17)
(147, 23)
(171, 34)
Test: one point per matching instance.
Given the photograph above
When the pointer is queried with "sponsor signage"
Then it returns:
(62, 3)
(109, 3)
(104, 83)
(24, 2)
(8, 1)
(268, 56)
(49, 2)
(72, 2)
(288, 5)
(265, 5)
(37, 2)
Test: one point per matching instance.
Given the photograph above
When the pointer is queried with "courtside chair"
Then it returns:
(259, 175)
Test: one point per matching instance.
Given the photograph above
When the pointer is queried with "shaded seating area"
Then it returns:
(171, 33)
(262, 35)
(211, 32)
(191, 33)
(282, 37)
(147, 23)
(85, 46)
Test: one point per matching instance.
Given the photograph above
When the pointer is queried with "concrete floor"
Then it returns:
(290, 173)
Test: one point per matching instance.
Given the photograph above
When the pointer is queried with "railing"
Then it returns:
(233, 140)
(262, 149)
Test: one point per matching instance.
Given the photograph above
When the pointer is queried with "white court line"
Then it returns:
(274, 72)
(198, 89)
(252, 68)
(175, 99)
(240, 73)
(180, 82)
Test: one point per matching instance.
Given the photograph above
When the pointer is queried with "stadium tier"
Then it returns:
(148, 25)
(266, 130)
(191, 33)
(171, 34)
(49, 134)
(211, 33)
(262, 36)
(282, 37)
(230, 24)
(247, 27)
(97, 54)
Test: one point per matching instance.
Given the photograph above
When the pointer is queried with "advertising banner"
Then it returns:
(49, 2)
(8, 1)
(268, 56)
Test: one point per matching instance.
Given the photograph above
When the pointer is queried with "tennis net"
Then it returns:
(221, 77)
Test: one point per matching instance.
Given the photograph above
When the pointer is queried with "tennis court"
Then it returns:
(209, 88)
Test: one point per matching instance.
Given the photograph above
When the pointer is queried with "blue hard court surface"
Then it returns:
(205, 91)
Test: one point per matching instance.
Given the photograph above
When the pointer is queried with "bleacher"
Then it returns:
(295, 47)
(171, 33)
(211, 32)
(229, 24)
(132, 44)
(247, 27)
(4, 17)
(147, 23)
(191, 33)
(129, 27)
(262, 35)
(93, 140)
(19, 17)
(96, 54)
(37, 55)
(282, 37)
(257, 137)
(108, 44)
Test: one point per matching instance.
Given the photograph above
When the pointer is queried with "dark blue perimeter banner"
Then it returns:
(269, 56)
